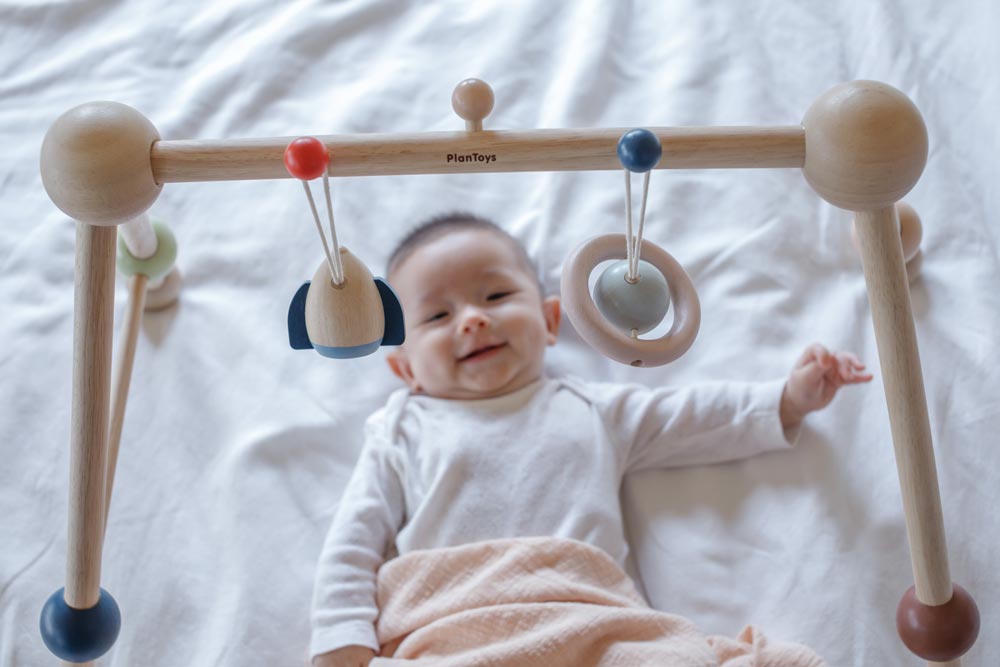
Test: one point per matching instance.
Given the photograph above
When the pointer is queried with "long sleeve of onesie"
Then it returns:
(690, 425)
(370, 513)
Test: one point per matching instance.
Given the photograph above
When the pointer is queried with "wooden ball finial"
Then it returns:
(473, 101)
(866, 145)
(95, 163)
(911, 231)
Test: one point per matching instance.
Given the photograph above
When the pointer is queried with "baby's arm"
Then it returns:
(696, 424)
(714, 422)
(370, 513)
(815, 380)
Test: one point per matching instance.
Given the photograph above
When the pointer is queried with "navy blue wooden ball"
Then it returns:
(80, 635)
(639, 150)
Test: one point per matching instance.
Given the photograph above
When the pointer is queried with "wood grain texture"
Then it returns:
(344, 315)
(123, 376)
(92, 331)
(479, 152)
(895, 333)
(866, 145)
(95, 163)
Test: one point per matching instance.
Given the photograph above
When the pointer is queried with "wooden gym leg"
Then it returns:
(92, 331)
(895, 333)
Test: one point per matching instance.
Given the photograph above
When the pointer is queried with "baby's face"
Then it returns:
(476, 325)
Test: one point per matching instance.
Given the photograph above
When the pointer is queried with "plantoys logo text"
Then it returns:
(472, 157)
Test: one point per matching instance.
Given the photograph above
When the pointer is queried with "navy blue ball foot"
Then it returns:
(80, 635)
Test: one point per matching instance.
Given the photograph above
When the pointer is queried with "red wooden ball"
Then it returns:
(938, 633)
(306, 158)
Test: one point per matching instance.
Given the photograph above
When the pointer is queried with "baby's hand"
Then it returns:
(814, 381)
(348, 656)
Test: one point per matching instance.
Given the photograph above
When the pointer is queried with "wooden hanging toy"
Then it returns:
(631, 296)
(861, 146)
(342, 312)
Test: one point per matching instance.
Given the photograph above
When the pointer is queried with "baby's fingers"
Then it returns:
(849, 368)
(814, 353)
(855, 362)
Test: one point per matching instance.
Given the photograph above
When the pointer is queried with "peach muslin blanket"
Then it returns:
(543, 601)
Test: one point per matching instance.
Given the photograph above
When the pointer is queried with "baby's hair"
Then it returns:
(439, 225)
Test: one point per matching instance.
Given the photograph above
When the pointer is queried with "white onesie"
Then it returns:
(547, 459)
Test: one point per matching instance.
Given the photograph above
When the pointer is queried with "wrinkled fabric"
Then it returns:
(236, 449)
(543, 602)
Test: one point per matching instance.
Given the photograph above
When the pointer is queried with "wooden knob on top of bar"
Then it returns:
(866, 145)
(95, 163)
(473, 101)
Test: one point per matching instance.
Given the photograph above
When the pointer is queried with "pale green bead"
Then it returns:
(641, 306)
(154, 267)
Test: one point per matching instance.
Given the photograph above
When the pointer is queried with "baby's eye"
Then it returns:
(497, 295)
(437, 316)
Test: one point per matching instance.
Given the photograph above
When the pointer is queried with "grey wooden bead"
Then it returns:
(641, 306)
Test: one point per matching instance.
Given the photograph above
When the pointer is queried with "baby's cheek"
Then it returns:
(535, 338)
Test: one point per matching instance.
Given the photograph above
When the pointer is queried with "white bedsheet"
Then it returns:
(236, 448)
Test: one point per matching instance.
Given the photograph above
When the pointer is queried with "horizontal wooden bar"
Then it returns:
(479, 152)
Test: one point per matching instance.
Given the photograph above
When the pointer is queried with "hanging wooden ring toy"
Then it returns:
(631, 296)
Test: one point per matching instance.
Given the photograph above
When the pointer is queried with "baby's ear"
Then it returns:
(551, 310)
(400, 365)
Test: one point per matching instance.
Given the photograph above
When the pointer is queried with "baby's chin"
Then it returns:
(471, 393)
(475, 388)
(491, 388)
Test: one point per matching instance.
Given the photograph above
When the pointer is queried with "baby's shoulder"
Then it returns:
(383, 423)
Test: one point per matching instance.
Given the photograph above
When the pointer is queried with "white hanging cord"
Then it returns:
(319, 228)
(642, 219)
(633, 245)
(629, 248)
(338, 263)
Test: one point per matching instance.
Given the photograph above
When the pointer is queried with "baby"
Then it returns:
(483, 445)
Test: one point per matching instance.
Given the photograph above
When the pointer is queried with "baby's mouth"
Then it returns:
(481, 352)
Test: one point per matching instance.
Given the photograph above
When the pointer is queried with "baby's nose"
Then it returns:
(472, 322)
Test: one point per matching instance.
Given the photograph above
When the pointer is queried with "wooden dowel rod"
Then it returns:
(92, 331)
(139, 236)
(479, 152)
(123, 376)
(895, 334)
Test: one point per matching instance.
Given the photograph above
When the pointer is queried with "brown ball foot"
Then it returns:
(938, 633)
